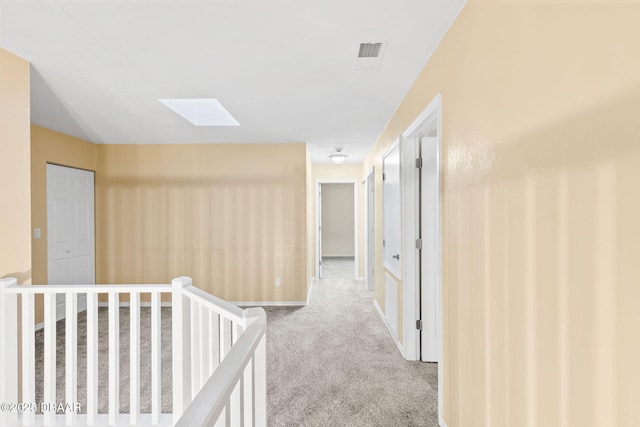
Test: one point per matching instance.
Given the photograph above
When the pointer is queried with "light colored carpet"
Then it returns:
(331, 363)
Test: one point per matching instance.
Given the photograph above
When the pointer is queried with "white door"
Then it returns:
(430, 256)
(319, 231)
(70, 229)
(391, 200)
(370, 233)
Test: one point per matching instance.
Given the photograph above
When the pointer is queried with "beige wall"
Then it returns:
(232, 216)
(336, 172)
(15, 209)
(541, 208)
(48, 146)
(338, 225)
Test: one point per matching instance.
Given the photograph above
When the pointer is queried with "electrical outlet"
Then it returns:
(36, 233)
(277, 281)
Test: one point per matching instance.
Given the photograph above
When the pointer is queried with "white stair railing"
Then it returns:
(218, 356)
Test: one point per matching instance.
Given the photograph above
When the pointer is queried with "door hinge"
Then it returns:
(383, 242)
(419, 324)
(419, 163)
(384, 176)
(419, 244)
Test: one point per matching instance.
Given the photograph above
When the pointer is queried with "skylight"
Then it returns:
(201, 111)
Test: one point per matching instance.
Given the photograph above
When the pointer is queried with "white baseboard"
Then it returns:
(269, 303)
(128, 304)
(441, 420)
(61, 313)
(384, 320)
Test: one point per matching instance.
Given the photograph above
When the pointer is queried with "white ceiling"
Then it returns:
(285, 69)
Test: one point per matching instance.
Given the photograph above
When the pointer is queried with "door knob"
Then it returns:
(396, 257)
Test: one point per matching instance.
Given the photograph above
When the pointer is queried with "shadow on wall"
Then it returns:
(544, 230)
(233, 235)
(583, 139)
(22, 278)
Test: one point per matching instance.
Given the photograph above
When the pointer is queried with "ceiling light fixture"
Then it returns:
(201, 111)
(338, 157)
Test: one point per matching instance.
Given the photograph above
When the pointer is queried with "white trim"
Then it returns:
(384, 320)
(410, 255)
(269, 303)
(355, 221)
(365, 230)
(385, 264)
(441, 419)
(128, 304)
(61, 307)
(411, 289)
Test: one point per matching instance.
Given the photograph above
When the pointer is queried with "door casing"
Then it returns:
(319, 183)
(77, 244)
(429, 120)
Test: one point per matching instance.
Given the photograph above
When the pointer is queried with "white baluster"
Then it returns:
(196, 373)
(248, 390)
(9, 354)
(71, 355)
(180, 346)
(237, 331)
(214, 339)
(237, 404)
(49, 394)
(259, 370)
(205, 346)
(114, 357)
(260, 383)
(156, 373)
(134, 348)
(225, 337)
(92, 358)
(28, 356)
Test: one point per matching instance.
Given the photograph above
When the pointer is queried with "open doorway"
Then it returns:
(422, 238)
(336, 225)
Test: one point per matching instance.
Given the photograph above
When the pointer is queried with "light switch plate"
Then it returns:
(36, 233)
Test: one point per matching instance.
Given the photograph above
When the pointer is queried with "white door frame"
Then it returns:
(354, 182)
(366, 241)
(411, 223)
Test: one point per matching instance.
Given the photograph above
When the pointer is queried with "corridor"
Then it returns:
(333, 362)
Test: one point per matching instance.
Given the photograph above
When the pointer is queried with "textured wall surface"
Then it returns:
(15, 205)
(232, 216)
(540, 186)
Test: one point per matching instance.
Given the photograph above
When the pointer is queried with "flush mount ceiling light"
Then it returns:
(201, 111)
(338, 157)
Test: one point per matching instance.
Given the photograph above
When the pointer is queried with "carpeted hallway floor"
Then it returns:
(331, 363)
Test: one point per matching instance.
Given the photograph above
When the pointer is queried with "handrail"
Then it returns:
(83, 289)
(218, 352)
(209, 403)
(228, 310)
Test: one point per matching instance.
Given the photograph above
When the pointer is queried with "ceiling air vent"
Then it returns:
(370, 56)
(369, 50)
